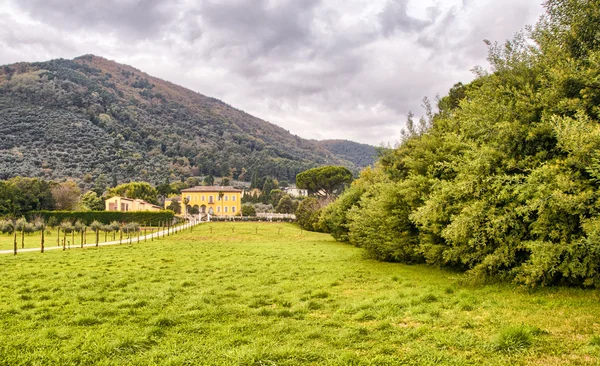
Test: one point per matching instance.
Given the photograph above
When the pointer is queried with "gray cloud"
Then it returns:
(321, 69)
(136, 19)
(395, 17)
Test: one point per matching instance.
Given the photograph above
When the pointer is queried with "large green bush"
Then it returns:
(502, 180)
(307, 214)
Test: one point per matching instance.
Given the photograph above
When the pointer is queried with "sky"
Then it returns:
(322, 69)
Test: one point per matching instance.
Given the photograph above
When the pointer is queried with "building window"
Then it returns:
(211, 199)
(189, 198)
(233, 198)
(203, 198)
(218, 209)
(195, 198)
(226, 198)
(232, 208)
(226, 208)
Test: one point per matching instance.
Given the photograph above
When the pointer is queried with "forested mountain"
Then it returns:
(68, 118)
(503, 179)
(361, 155)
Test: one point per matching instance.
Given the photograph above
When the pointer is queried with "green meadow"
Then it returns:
(270, 294)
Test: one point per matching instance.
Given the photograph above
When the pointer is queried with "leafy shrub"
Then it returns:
(307, 214)
(248, 210)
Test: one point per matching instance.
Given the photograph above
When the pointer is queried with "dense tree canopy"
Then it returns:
(140, 190)
(503, 179)
(327, 180)
(20, 195)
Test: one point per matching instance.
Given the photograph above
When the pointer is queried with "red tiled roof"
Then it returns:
(211, 189)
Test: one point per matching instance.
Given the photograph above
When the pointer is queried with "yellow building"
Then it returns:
(125, 204)
(214, 200)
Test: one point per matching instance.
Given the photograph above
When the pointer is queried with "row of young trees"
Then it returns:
(503, 179)
(67, 232)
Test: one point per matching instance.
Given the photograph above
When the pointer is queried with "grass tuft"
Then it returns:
(86, 321)
(513, 339)
(429, 298)
(165, 322)
(321, 295)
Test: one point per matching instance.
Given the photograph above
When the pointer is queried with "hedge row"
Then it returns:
(105, 217)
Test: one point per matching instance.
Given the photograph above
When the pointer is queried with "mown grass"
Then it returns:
(267, 294)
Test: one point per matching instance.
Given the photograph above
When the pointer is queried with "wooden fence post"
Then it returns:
(42, 243)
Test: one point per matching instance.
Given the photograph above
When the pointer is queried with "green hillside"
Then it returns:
(68, 118)
(361, 155)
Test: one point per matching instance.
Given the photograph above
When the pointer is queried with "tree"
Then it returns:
(225, 181)
(100, 185)
(285, 205)
(66, 228)
(192, 182)
(326, 180)
(66, 195)
(92, 202)
(139, 190)
(254, 180)
(19, 196)
(96, 226)
(209, 180)
(248, 210)
(20, 225)
(307, 214)
(164, 190)
(175, 206)
(275, 196)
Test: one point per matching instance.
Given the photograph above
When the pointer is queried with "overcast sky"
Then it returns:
(324, 69)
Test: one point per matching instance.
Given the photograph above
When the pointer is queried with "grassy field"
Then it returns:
(269, 294)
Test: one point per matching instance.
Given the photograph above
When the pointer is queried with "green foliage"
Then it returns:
(20, 195)
(334, 217)
(382, 225)
(285, 205)
(209, 180)
(96, 226)
(139, 190)
(175, 206)
(6, 226)
(248, 210)
(307, 214)
(92, 202)
(502, 181)
(106, 217)
(328, 180)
